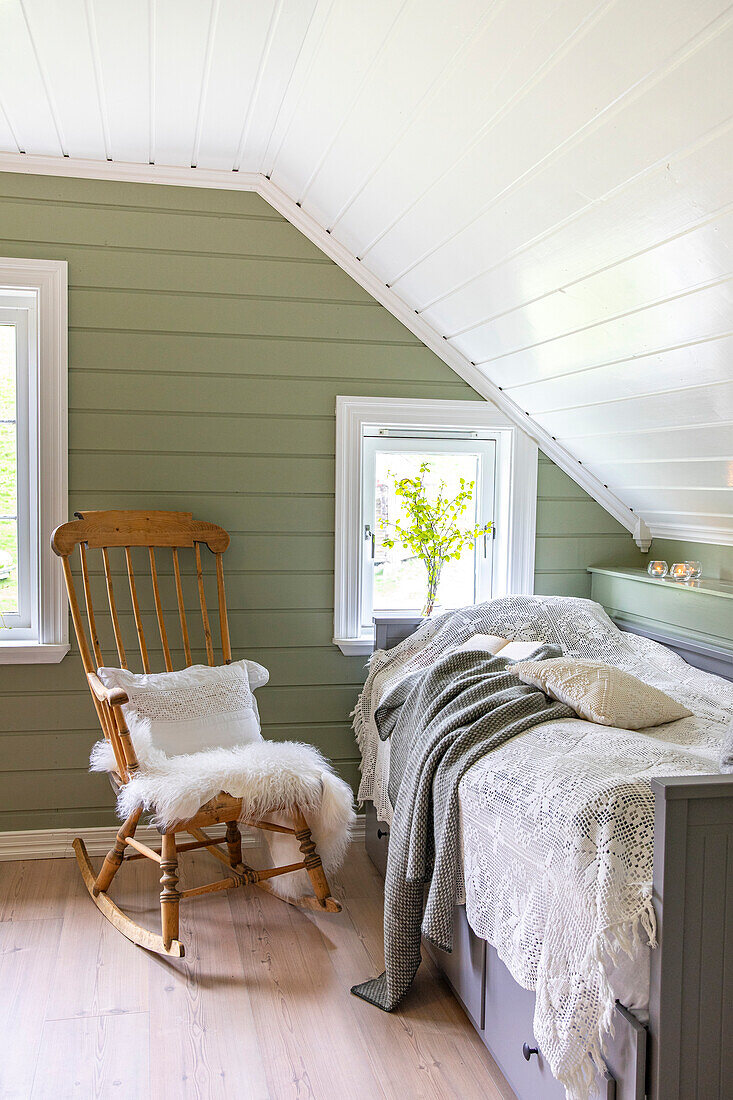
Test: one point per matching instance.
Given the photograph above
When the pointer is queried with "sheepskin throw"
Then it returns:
(271, 778)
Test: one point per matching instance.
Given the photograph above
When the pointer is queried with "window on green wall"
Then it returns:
(381, 439)
(33, 416)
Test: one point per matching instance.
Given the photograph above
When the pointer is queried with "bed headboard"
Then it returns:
(704, 655)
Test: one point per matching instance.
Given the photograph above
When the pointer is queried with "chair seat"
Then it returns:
(270, 777)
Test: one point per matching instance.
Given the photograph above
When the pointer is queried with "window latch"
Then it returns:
(369, 534)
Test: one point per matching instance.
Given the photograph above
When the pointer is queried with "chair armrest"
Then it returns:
(114, 696)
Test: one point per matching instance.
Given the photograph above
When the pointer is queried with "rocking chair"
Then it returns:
(172, 532)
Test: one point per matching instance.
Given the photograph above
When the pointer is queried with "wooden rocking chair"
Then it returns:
(174, 532)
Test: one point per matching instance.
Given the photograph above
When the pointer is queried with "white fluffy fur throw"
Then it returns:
(271, 778)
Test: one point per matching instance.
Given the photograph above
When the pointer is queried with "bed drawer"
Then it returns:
(464, 966)
(508, 1016)
(376, 838)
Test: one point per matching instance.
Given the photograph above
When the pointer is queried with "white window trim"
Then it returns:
(49, 279)
(516, 478)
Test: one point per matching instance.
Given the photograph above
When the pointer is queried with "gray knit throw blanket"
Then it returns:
(441, 721)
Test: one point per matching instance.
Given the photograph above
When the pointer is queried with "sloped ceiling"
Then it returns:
(541, 189)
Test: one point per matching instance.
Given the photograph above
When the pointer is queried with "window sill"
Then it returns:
(354, 647)
(32, 653)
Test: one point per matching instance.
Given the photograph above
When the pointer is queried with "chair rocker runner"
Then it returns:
(170, 532)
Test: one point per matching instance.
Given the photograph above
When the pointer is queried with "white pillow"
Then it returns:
(194, 709)
(601, 693)
(484, 643)
(520, 651)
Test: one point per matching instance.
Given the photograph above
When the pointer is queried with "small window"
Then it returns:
(33, 458)
(18, 467)
(393, 578)
(379, 441)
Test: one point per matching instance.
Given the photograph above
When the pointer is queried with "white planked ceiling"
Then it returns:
(545, 186)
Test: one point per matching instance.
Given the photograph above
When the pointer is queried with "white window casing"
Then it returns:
(36, 292)
(515, 496)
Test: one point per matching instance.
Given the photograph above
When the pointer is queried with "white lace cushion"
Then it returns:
(601, 693)
(194, 709)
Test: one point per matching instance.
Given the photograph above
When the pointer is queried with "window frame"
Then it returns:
(515, 509)
(45, 639)
(485, 501)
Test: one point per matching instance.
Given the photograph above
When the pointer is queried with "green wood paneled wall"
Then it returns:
(208, 340)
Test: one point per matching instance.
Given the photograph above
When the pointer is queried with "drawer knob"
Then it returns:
(382, 832)
(528, 1051)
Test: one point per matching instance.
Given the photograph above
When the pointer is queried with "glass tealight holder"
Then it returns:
(657, 568)
(678, 572)
(694, 569)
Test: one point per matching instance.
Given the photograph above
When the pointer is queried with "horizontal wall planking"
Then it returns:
(44, 817)
(45, 222)
(69, 788)
(161, 391)
(559, 517)
(554, 482)
(576, 583)
(20, 791)
(574, 551)
(112, 471)
(278, 705)
(161, 198)
(245, 592)
(284, 318)
(247, 553)
(288, 667)
(203, 354)
(69, 749)
(111, 431)
(107, 266)
(287, 513)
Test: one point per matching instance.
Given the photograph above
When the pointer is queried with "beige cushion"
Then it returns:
(601, 693)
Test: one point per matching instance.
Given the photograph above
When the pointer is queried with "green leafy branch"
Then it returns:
(433, 533)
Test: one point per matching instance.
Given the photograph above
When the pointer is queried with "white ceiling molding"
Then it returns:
(196, 177)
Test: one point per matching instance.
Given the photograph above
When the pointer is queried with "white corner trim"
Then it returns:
(127, 172)
(57, 843)
(718, 536)
(278, 200)
(49, 279)
(516, 479)
(32, 653)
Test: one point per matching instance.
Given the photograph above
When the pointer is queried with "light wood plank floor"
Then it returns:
(260, 1007)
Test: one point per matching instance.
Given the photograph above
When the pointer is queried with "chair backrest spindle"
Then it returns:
(181, 607)
(159, 611)
(90, 608)
(113, 609)
(226, 647)
(204, 612)
(136, 612)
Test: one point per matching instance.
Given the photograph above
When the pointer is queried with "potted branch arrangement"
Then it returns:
(432, 530)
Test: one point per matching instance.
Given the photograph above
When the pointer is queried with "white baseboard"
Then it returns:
(56, 843)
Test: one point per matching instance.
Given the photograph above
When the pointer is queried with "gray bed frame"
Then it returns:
(686, 1050)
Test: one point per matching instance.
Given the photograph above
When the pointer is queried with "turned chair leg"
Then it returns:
(234, 843)
(169, 895)
(312, 860)
(113, 859)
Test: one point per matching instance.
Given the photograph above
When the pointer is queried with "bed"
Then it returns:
(669, 1017)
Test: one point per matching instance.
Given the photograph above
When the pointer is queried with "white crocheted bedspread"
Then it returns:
(557, 824)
